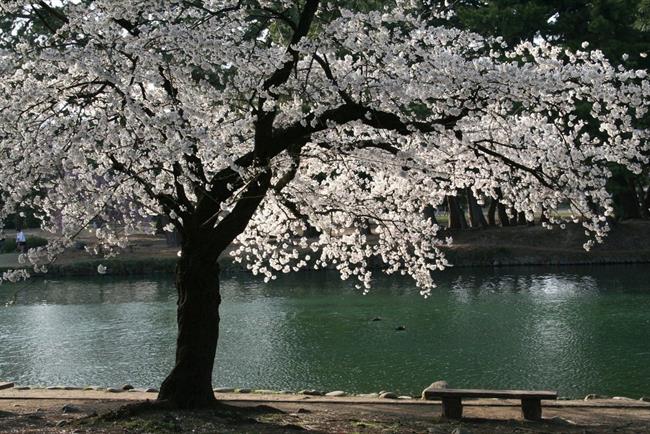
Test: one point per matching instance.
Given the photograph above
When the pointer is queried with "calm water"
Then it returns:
(576, 330)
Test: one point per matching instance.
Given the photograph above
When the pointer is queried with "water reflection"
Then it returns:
(567, 329)
(92, 290)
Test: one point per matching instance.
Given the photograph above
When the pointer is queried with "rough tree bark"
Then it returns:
(430, 213)
(492, 212)
(189, 385)
(476, 217)
(646, 203)
(504, 220)
(456, 214)
(543, 218)
(626, 200)
(521, 219)
(628, 205)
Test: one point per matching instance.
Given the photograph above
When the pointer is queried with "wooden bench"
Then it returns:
(452, 407)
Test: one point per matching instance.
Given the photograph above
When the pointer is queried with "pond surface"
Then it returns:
(576, 330)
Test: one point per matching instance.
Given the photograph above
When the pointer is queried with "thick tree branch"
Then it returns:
(355, 112)
(53, 11)
(166, 201)
(235, 223)
(539, 176)
(324, 64)
(281, 75)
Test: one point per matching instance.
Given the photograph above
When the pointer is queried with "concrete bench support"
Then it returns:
(452, 408)
(531, 408)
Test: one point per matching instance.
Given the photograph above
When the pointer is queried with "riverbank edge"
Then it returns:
(233, 394)
(459, 258)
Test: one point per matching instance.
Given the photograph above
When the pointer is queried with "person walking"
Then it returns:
(21, 241)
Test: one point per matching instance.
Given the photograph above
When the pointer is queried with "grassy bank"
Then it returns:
(628, 242)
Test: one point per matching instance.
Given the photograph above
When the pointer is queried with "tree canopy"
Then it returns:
(132, 109)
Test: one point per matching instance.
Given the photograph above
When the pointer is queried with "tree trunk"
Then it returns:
(503, 215)
(492, 212)
(628, 204)
(514, 220)
(622, 186)
(521, 218)
(456, 215)
(19, 222)
(189, 385)
(476, 217)
(646, 203)
(543, 218)
(430, 213)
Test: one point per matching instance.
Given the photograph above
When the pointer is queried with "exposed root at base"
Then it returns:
(219, 408)
(135, 409)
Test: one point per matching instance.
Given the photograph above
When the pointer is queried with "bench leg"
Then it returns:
(532, 409)
(452, 408)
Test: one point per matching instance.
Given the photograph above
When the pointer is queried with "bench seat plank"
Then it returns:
(484, 393)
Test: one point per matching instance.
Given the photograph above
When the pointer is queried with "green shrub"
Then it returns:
(9, 245)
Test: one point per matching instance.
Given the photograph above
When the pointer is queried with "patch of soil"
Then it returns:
(33, 416)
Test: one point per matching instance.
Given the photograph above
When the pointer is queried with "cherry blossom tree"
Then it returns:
(251, 124)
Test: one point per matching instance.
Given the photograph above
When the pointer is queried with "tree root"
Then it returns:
(135, 409)
(219, 408)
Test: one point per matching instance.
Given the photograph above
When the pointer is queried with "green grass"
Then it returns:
(9, 246)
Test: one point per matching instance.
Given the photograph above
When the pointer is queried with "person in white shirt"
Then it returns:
(21, 241)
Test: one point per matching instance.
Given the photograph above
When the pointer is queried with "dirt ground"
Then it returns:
(46, 411)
